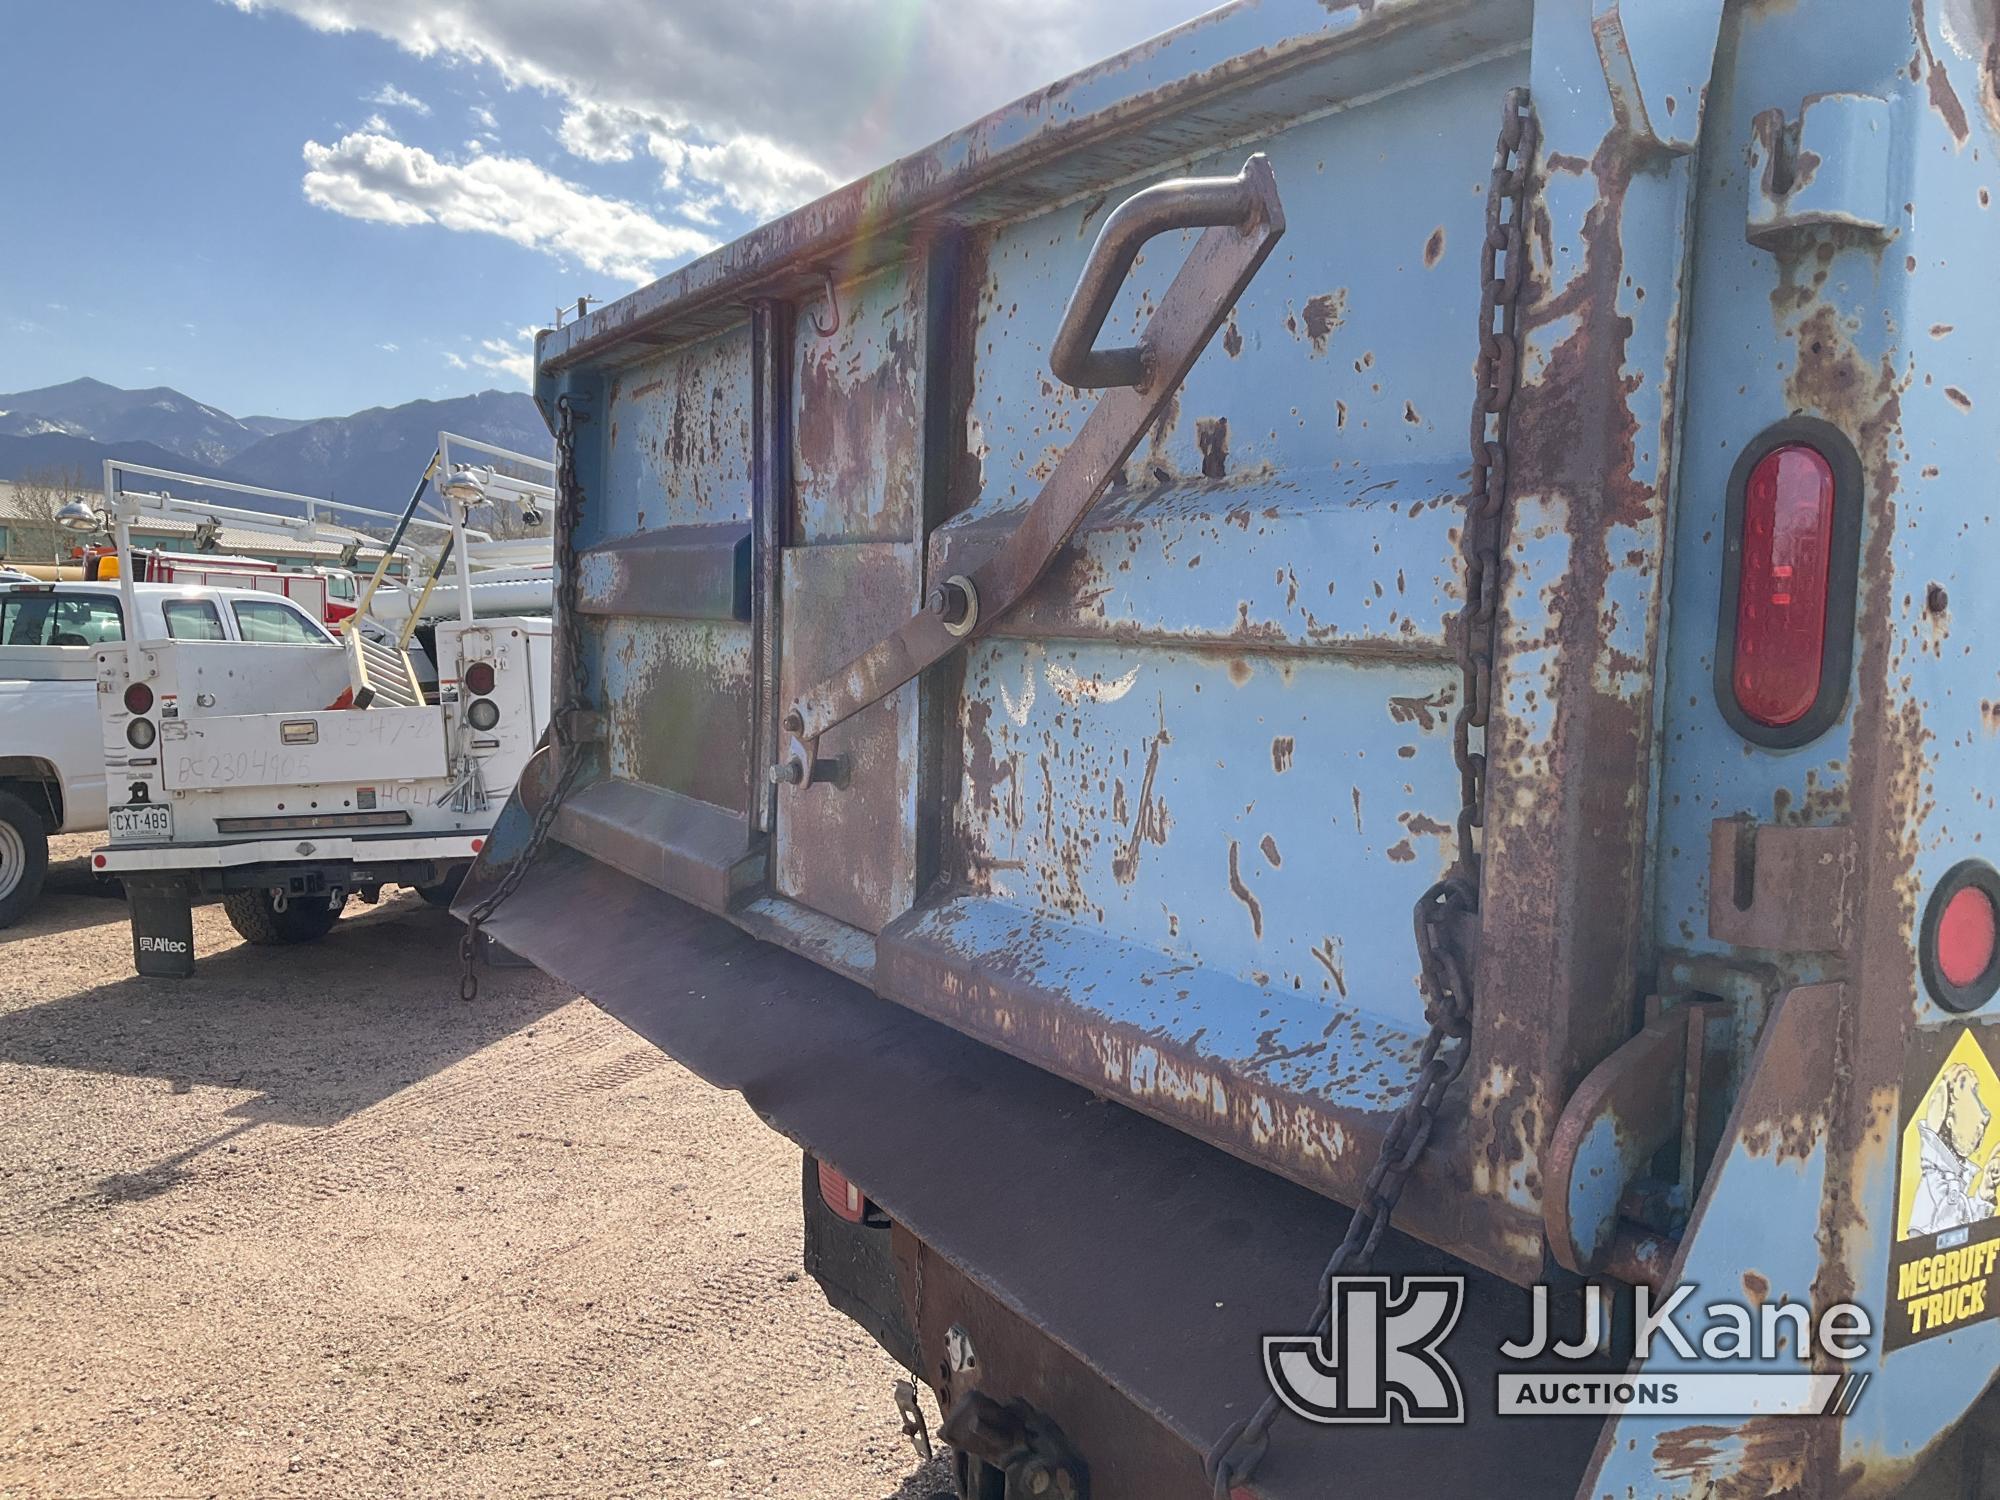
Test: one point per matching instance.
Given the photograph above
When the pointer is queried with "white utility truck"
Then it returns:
(285, 774)
(51, 746)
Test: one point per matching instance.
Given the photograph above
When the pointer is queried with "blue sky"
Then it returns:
(304, 207)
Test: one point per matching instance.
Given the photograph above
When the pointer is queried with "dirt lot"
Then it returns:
(307, 1225)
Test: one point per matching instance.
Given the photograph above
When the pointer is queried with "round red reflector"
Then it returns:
(479, 678)
(1967, 936)
(138, 698)
(1958, 948)
(477, 845)
(98, 860)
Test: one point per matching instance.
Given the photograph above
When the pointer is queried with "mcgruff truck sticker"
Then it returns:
(1947, 1250)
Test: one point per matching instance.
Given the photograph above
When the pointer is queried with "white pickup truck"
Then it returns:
(52, 771)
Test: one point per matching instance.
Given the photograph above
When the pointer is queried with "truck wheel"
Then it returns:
(24, 857)
(252, 913)
(445, 891)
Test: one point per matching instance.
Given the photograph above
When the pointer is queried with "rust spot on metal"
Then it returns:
(1211, 435)
(1323, 315)
(1958, 398)
(1281, 754)
(1759, 1457)
(1411, 415)
(1434, 247)
(1149, 823)
(1232, 338)
(1242, 892)
(1402, 852)
(1427, 713)
(1239, 670)
(1329, 959)
(1944, 98)
(1756, 1288)
(1270, 847)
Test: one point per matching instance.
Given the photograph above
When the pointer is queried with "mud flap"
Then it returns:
(162, 928)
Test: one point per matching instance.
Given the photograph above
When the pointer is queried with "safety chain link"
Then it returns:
(568, 707)
(1447, 915)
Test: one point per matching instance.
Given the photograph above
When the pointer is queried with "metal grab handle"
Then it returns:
(1217, 269)
(1184, 203)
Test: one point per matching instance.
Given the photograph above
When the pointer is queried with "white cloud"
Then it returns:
(757, 176)
(390, 348)
(596, 133)
(378, 126)
(514, 358)
(391, 97)
(367, 175)
(843, 86)
(483, 117)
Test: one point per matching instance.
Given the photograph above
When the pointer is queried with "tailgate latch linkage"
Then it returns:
(1241, 219)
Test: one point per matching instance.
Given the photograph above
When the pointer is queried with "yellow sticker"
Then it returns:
(1941, 1268)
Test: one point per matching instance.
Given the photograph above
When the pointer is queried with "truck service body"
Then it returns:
(51, 747)
(291, 769)
(1014, 763)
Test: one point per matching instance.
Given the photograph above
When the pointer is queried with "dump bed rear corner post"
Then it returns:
(1570, 751)
(771, 323)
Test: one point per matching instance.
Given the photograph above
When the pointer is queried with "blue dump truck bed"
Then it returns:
(1366, 614)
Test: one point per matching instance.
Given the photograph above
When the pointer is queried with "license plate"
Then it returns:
(145, 821)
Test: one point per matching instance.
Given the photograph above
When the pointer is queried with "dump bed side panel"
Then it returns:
(1161, 827)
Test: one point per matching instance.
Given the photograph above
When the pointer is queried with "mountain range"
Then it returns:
(370, 457)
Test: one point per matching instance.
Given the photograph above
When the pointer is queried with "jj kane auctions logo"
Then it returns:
(1382, 1358)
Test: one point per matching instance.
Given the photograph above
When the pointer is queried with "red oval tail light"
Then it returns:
(1781, 596)
(479, 678)
(138, 698)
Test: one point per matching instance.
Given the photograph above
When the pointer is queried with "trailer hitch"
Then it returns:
(1010, 1451)
(1242, 220)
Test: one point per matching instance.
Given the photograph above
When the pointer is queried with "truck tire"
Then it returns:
(24, 857)
(445, 891)
(305, 920)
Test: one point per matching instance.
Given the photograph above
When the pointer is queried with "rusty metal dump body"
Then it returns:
(1158, 827)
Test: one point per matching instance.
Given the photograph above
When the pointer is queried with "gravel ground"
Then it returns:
(306, 1225)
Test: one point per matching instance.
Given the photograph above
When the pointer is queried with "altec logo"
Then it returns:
(161, 945)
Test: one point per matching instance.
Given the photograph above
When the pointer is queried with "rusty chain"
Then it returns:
(1447, 915)
(563, 721)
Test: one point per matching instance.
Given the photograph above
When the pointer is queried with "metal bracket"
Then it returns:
(1018, 1446)
(1791, 890)
(1833, 170)
(1658, 56)
(1630, 1106)
(1243, 219)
